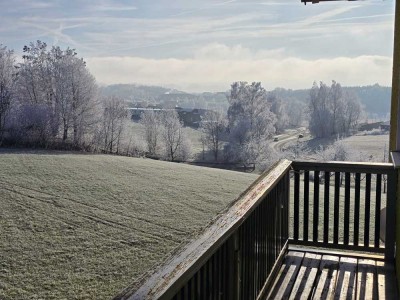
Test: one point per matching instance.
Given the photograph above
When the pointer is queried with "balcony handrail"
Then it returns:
(165, 282)
(344, 166)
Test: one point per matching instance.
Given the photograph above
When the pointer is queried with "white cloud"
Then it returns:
(216, 66)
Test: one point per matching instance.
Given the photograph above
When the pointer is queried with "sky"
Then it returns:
(204, 45)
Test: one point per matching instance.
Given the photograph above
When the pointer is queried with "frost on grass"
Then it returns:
(87, 226)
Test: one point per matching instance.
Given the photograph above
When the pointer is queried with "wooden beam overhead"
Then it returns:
(317, 1)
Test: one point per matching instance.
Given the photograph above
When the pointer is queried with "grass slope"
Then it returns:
(86, 226)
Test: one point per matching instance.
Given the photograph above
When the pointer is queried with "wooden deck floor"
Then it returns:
(312, 275)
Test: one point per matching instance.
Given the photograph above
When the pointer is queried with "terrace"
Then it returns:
(303, 230)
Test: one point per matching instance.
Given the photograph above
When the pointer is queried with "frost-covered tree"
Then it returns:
(175, 142)
(60, 80)
(152, 126)
(7, 80)
(213, 127)
(279, 108)
(296, 112)
(251, 123)
(332, 111)
(113, 123)
(339, 151)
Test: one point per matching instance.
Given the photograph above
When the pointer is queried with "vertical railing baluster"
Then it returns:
(193, 287)
(262, 250)
(256, 250)
(306, 204)
(217, 273)
(357, 188)
(262, 237)
(296, 204)
(316, 206)
(210, 279)
(244, 260)
(286, 207)
(224, 272)
(378, 209)
(206, 279)
(178, 295)
(346, 208)
(367, 209)
(271, 235)
(336, 209)
(221, 272)
(326, 206)
(253, 251)
(268, 235)
(186, 291)
(237, 266)
(198, 284)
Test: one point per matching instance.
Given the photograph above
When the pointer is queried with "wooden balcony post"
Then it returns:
(391, 217)
(394, 112)
(394, 144)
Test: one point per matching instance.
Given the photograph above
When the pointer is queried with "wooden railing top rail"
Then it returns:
(166, 281)
(341, 166)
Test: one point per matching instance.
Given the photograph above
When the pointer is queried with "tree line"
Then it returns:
(49, 98)
(244, 133)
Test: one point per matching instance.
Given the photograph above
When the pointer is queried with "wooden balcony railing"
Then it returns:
(341, 206)
(238, 256)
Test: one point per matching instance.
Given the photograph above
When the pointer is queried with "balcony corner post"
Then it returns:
(391, 224)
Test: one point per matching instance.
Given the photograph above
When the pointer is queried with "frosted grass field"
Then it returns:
(76, 226)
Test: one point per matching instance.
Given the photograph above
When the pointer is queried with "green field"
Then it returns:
(75, 226)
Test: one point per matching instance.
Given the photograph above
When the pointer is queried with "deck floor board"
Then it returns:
(305, 275)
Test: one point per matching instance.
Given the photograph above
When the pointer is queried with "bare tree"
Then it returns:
(113, 123)
(176, 143)
(151, 122)
(7, 80)
(213, 126)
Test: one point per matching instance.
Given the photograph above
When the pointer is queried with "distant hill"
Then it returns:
(134, 93)
(375, 98)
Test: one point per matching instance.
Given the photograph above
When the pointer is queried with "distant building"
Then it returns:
(369, 126)
(189, 117)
